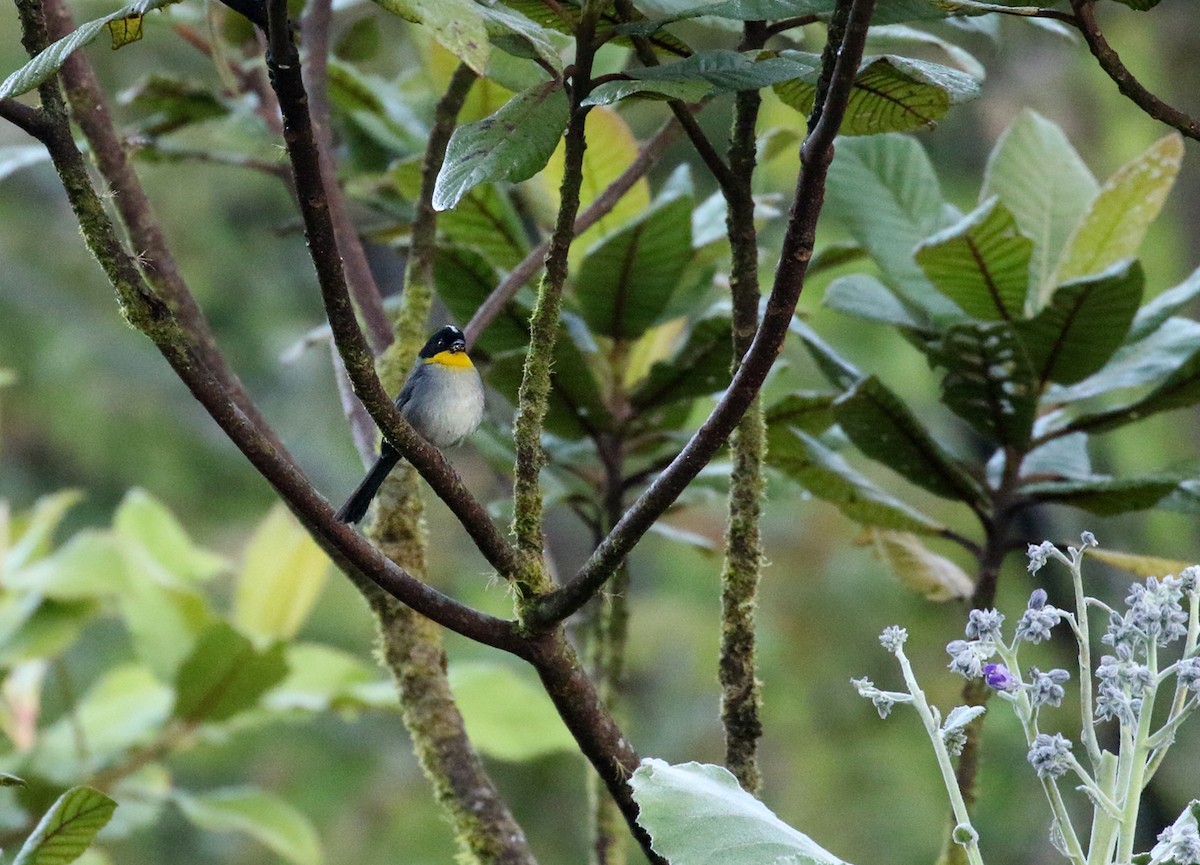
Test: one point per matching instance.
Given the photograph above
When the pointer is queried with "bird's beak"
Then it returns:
(459, 345)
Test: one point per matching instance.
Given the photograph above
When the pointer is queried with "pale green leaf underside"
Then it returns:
(1042, 181)
(697, 814)
(830, 478)
(258, 814)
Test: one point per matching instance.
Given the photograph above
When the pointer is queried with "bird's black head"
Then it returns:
(449, 338)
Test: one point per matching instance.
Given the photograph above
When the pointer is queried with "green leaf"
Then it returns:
(701, 366)
(458, 25)
(146, 522)
(49, 61)
(1104, 496)
(918, 568)
(865, 297)
(33, 628)
(34, 534)
(989, 382)
(321, 678)
(698, 815)
(890, 94)
(729, 71)
(1162, 307)
(1137, 564)
(982, 263)
(611, 147)
(283, 572)
(807, 411)
(164, 622)
(1040, 178)
(837, 370)
(614, 91)
(912, 37)
(225, 675)
(520, 36)
(507, 716)
(883, 189)
(830, 478)
(68, 828)
(263, 816)
(1180, 390)
(124, 708)
(171, 103)
(486, 221)
(626, 281)
(1120, 215)
(1085, 322)
(511, 145)
(886, 430)
(90, 565)
(1148, 361)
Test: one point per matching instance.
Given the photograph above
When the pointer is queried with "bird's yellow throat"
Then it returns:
(451, 358)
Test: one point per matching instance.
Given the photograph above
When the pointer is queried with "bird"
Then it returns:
(442, 399)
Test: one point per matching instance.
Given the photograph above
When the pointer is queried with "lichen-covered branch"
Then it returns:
(534, 392)
(740, 692)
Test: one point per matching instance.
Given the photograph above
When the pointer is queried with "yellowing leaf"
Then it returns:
(1139, 565)
(611, 147)
(919, 569)
(125, 30)
(1128, 203)
(283, 572)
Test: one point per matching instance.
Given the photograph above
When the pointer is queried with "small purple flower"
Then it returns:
(998, 676)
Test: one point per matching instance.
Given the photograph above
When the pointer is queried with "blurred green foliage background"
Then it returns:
(93, 407)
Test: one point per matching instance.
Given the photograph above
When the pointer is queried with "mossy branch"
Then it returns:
(740, 573)
(534, 393)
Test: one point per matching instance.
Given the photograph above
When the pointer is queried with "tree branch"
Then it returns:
(742, 567)
(1085, 20)
(314, 29)
(25, 117)
(816, 155)
(283, 62)
(534, 392)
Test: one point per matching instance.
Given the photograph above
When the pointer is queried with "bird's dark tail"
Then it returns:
(356, 506)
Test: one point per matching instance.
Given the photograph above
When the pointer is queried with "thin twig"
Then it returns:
(1106, 56)
(816, 155)
(25, 117)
